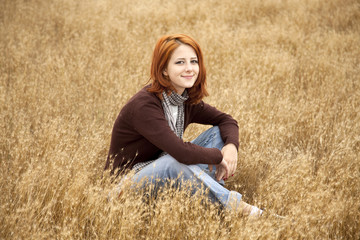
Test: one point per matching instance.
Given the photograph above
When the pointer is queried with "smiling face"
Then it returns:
(182, 68)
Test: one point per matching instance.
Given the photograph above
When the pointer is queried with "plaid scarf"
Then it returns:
(177, 125)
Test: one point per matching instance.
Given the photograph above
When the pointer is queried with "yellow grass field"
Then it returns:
(287, 70)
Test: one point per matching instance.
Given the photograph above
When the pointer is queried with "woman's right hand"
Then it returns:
(222, 170)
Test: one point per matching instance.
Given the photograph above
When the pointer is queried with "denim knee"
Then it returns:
(173, 168)
(215, 129)
(211, 138)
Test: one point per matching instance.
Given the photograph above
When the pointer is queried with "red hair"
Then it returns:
(164, 48)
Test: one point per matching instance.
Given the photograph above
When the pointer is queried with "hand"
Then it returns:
(222, 170)
(230, 156)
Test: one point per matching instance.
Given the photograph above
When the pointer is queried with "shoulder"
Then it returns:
(143, 97)
(143, 104)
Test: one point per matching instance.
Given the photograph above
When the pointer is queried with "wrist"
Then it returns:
(229, 147)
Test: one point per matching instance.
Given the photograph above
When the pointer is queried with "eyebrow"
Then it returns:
(180, 58)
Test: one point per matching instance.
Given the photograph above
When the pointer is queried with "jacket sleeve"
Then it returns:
(149, 121)
(204, 113)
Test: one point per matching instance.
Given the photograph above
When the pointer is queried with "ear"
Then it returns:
(165, 72)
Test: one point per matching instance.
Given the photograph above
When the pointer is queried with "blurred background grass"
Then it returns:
(288, 71)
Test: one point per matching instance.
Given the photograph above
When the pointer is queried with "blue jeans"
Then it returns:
(167, 170)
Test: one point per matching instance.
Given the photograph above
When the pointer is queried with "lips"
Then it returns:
(188, 77)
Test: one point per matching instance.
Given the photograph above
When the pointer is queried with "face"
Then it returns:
(183, 68)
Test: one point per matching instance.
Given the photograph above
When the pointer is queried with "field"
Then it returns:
(286, 70)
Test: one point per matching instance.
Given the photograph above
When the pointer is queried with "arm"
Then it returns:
(149, 121)
(204, 113)
(207, 114)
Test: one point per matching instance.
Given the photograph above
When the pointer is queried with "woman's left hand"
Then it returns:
(230, 155)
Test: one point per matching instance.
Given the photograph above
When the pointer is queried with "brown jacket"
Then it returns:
(141, 132)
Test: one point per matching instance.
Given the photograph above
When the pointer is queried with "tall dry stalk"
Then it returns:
(288, 71)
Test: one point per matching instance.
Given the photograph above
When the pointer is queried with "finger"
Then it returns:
(219, 174)
(233, 171)
(210, 166)
(226, 175)
(227, 170)
(230, 167)
(233, 168)
(223, 174)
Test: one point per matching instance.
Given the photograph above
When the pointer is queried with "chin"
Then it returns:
(190, 85)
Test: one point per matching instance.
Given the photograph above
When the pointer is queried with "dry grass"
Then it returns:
(288, 71)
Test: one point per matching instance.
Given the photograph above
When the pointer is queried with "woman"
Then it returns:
(147, 134)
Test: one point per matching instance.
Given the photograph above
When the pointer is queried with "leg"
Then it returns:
(166, 168)
(229, 199)
(211, 138)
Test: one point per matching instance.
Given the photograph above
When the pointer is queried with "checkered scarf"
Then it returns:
(177, 100)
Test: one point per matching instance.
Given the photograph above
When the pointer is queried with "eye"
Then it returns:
(194, 61)
(179, 62)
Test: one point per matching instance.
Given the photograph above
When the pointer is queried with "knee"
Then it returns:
(173, 168)
(217, 141)
(215, 130)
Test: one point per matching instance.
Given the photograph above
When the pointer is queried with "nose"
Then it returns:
(189, 67)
